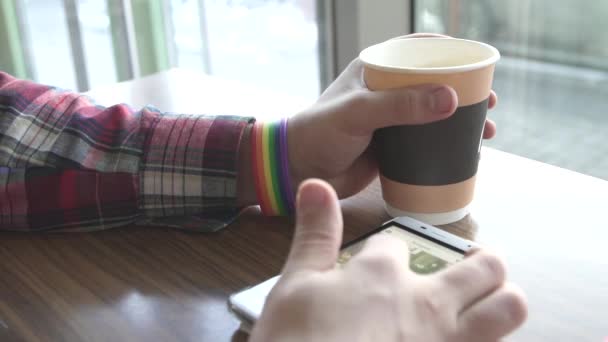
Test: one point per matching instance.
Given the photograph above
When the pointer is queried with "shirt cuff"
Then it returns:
(188, 171)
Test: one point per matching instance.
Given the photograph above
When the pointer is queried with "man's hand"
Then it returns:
(375, 297)
(331, 139)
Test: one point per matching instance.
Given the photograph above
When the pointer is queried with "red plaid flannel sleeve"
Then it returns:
(67, 164)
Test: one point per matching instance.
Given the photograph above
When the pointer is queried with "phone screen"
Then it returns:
(426, 256)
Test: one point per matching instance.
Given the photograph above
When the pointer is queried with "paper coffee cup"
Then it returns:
(428, 171)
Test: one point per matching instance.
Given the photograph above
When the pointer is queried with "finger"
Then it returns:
(495, 315)
(357, 177)
(493, 99)
(422, 35)
(349, 79)
(384, 255)
(318, 231)
(352, 76)
(367, 111)
(489, 130)
(472, 278)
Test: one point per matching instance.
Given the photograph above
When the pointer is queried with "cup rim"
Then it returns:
(433, 70)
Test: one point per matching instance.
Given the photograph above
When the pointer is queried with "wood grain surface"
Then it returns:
(143, 284)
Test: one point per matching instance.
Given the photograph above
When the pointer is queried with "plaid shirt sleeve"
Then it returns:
(67, 164)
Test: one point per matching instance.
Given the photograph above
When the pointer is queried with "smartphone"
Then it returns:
(431, 249)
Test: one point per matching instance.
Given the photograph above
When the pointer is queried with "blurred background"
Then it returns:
(552, 80)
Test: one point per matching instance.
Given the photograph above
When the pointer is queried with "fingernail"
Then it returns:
(311, 198)
(441, 100)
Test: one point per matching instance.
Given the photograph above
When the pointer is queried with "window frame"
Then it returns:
(348, 26)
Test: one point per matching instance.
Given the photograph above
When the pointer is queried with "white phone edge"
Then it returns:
(435, 233)
(248, 315)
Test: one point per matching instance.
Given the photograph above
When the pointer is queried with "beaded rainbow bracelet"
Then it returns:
(270, 167)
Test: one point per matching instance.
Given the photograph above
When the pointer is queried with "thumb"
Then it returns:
(318, 231)
(414, 105)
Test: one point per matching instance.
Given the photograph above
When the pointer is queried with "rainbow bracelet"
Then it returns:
(270, 166)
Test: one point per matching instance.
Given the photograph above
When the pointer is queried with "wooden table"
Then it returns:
(151, 284)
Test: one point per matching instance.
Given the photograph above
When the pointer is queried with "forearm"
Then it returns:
(66, 163)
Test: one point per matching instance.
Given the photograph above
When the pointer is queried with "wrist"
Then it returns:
(294, 155)
(246, 195)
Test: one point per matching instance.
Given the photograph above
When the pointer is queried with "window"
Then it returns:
(271, 43)
(552, 78)
(49, 42)
(79, 44)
